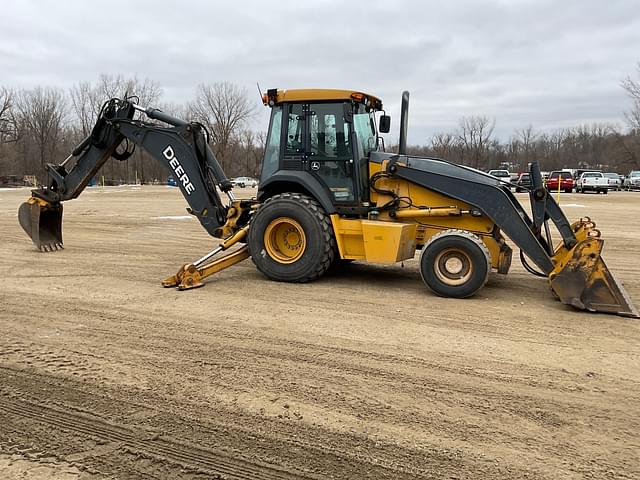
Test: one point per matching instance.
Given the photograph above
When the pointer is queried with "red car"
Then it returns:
(566, 182)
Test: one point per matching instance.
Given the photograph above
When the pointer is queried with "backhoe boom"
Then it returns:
(181, 147)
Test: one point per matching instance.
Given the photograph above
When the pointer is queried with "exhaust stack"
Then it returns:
(404, 119)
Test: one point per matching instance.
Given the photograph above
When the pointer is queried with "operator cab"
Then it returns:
(322, 138)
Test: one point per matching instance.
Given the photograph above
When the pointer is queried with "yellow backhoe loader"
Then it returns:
(329, 192)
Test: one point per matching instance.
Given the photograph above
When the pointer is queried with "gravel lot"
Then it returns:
(363, 374)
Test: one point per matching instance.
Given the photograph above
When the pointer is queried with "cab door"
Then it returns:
(330, 152)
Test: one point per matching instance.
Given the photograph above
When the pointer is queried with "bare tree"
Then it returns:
(442, 144)
(253, 144)
(147, 91)
(87, 98)
(224, 108)
(41, 114)
(633, 90)
(555, 144)
(527, 138)
(474, 136)
(629, 151)
(7, 119)
(86, 102)
(178, 110)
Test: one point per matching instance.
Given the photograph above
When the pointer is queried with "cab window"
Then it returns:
(364, 125)
(295, 131)
(329, 133)
(330, 149)
(272, 148)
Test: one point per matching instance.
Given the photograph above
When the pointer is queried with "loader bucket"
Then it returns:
(582, 279)
(43, 223)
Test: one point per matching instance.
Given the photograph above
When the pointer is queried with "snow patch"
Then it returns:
(174, 217)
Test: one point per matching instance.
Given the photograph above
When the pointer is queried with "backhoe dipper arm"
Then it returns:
(181, 147)
(68, 179)
(184, 152)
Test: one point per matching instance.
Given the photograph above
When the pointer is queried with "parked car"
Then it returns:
(632, 181)
(523, 182)
(10, 181)
(579, 171)
(615, 183)
(244, 182)
(501, 174)
(565, 179)
(592, 181)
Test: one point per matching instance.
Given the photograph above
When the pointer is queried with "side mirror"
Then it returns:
(385, 124)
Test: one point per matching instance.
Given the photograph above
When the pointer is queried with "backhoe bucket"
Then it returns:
(43, 223)
(582, 279)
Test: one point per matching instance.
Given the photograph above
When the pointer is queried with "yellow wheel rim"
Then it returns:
(284, 240)
(453, 267)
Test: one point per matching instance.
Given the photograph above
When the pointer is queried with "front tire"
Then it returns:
(455, 263)
(291, 238)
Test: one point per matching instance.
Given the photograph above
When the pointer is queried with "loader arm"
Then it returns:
(575, 269)
(180, 146)
(498, 203)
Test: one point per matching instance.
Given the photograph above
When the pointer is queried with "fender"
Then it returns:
(300, 181)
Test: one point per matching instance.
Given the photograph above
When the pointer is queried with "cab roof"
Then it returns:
(275, 96)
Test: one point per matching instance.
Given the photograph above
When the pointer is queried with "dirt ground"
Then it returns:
(363, 374)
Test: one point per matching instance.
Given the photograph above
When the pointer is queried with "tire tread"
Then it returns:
(469, 236)
(329, 246)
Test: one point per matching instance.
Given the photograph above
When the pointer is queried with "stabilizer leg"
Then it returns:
(191, 275)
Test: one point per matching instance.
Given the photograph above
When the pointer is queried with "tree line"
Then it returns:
(42, 125)
(597, 145)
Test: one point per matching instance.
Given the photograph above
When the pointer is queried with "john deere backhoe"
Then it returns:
(328, 193)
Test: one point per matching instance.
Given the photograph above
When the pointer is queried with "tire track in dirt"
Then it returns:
(331, 454)
(410, 375)
(340, 454)
(392, 381)
(40, 357)
(349, 377)
(160, 448)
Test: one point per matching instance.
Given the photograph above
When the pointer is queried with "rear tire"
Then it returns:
(568, 190)
(291, 238)
(455, 263)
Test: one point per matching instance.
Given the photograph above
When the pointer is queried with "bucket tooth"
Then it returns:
(583, 280)
(42, 221)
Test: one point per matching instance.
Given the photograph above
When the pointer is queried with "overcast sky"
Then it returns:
(546, 63)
